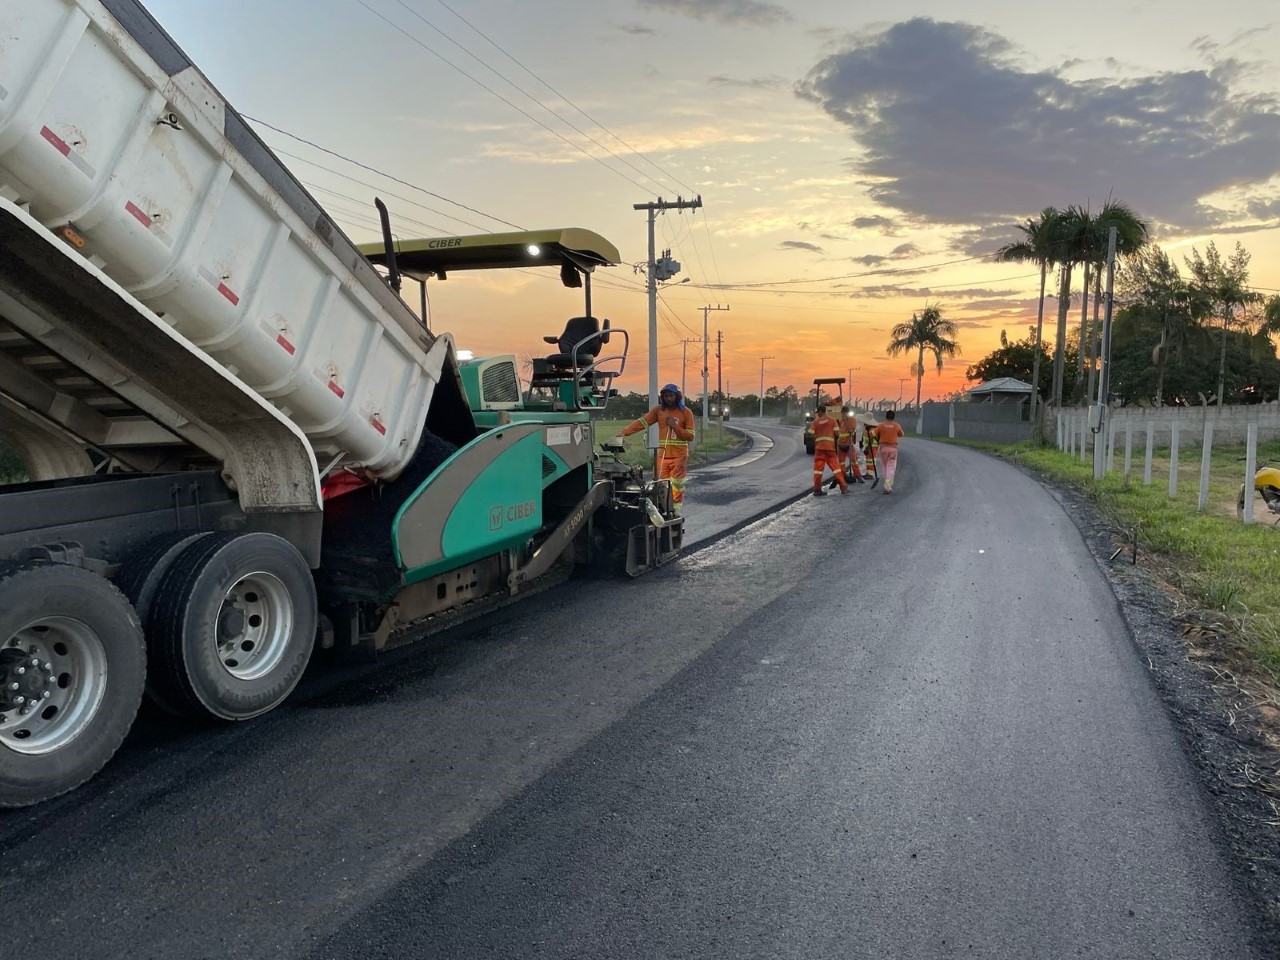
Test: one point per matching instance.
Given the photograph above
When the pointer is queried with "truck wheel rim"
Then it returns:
(255, 623)
(53, 675)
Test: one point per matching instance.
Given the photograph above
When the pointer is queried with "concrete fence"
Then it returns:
(990, 422)
(1134, 435)
(1230, 424)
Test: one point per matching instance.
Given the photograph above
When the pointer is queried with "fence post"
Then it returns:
(1111, 444)
(1084, 436)
(1173, 459)
(1071, 436)
(1151, 438)
(1250, 467)
(1205, 450)
(951, 423)
(1057, 416)
(1128, 447)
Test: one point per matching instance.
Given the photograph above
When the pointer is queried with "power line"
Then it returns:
(365, 166)
(517, 86)
(484, 86)
(504, 52)
(387, 193)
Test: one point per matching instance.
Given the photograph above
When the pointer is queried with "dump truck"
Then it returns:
(243, 444)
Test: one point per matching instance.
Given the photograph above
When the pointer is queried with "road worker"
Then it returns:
(870, 448)
(675, 433)
(846, 452)
(888, 434)
(824, 452)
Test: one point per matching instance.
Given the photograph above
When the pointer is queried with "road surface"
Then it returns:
(867, 726)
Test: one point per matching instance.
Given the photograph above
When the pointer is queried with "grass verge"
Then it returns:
(1226, 573)
(716, 442)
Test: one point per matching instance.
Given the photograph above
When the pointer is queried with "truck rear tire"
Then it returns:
(232, 627)
(72, 668)
(139, 580)
(141, 574)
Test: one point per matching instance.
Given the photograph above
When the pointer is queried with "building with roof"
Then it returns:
(1000, 390)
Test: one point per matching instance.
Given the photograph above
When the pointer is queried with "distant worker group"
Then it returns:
(853, 448)
(852, 454)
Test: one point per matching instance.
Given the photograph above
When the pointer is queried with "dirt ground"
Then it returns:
(1229, 720)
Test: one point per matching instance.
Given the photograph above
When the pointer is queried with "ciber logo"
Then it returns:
(516, 511)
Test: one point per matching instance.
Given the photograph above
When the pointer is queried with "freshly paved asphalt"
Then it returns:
(867, 726)
(774, 471)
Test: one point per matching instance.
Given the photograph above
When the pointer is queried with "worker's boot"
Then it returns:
(819, 492)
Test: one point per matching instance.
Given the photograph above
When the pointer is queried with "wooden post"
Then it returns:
(1111, 444)
(1062, 443)
(1084, 436)
(1173, 460)
(1151, 437)
(1205, 450)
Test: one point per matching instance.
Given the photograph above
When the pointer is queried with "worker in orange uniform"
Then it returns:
(846, 452)
(824, 452)
(675, 433)
(870, 448)
(888, 434)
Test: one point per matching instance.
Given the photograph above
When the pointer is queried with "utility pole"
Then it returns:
(720, 382)
(653, 270)
(684, 362)
(762, 360)
(901, 381)
(719, 367)
(706, 341)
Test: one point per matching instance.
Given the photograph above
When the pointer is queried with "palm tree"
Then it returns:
(1069, 239)
(1036, 246)
(927, 330)
(1132, 234)
(1081, 238)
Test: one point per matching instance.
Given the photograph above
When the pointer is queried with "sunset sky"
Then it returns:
(852, 168)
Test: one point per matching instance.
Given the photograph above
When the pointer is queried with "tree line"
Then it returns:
(1199, 337)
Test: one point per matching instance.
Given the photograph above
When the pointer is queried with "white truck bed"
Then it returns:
(116, 143)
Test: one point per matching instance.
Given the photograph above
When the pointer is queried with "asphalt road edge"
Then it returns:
(1221, 753)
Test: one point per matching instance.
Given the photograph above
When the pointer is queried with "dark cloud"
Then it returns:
(883, 224)
(1008, 303)
(903, 251)
(637, 29)
(1265, 209)
(799, 245)
(751, 83)
(757, 13)
(880, 291)
(957, 131)
(985, 241)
